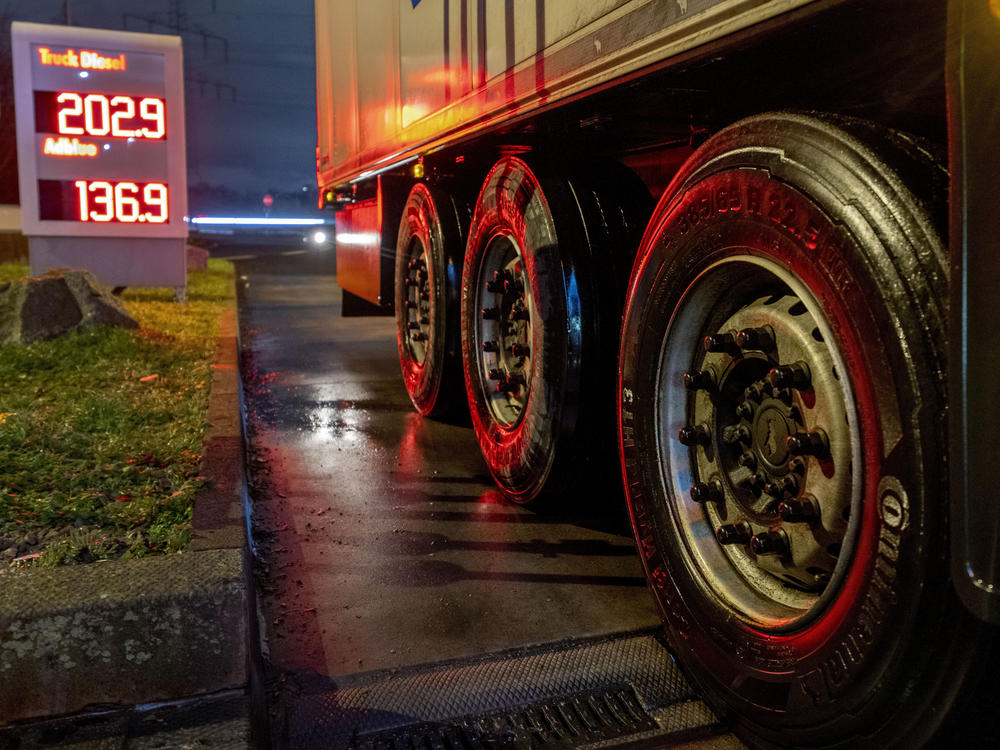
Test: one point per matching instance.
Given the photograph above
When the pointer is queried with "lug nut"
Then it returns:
(413, 325)
(749, 460)
(761, 339)
(425, 295)
(734, 533)
(702, 380)
(804, 508)
(514, 381)
(410, 304)
(519, 350)
(418, 336)
(754, 392)
(520, 313)
(425, 320)
(720, 342)
(754, 481)
(415, 264)
(703, 492)
(513, 286)
(490, 346)
(496, 286)
(773, 542)
(495, 374)
(411, 281)
(790, 376)
(809, 444)
(491, 313)
(786, 485)
(745, 410)
(738, 433)
(699, 434)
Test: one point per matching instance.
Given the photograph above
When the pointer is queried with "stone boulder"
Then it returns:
(61, 301)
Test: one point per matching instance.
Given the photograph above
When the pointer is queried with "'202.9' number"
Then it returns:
(96, 115)
(126, 202)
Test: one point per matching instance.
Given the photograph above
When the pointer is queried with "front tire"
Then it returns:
(781, 423)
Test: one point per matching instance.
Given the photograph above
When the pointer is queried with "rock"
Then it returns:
(31, 538)
(60, 301)
(9, 554)
(197, 258)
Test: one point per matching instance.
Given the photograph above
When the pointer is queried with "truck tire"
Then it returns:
(541, 295)
(428, 263)
(782, 428)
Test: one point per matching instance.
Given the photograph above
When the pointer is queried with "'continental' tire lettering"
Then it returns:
(821, 684)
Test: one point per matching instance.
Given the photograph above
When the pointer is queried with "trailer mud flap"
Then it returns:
(366, 242)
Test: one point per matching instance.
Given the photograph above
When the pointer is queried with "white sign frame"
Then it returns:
(26, 39)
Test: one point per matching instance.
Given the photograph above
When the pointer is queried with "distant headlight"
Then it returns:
(319, 237)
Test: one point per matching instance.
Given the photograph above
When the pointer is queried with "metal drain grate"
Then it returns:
(595, 716)
(566, 695)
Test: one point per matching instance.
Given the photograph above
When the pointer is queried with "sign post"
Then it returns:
(101, 152)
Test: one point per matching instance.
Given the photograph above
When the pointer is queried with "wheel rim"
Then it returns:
(762, 453)
(504, 338)
(418, 302)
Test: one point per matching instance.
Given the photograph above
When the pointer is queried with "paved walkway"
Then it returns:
(386, 544)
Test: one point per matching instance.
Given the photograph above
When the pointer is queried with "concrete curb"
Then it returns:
(133, 632)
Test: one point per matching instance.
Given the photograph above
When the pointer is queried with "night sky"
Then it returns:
(249, 67)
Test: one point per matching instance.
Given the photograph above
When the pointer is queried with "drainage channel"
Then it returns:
(607, 692)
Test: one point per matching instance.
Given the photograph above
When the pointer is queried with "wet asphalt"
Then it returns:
(381, 540)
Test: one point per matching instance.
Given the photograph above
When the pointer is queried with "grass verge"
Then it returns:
(101, 430)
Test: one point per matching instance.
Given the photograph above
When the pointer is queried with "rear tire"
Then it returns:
(788, 495)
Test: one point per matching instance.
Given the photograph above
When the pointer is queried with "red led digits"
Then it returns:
(98, 115)
(151, 109)
(125, 202)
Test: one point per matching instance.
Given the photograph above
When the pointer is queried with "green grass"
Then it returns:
(95, 460)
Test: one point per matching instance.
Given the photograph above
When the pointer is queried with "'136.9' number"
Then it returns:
(126, 202)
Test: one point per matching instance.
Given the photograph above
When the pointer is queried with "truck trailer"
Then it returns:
(733, 263)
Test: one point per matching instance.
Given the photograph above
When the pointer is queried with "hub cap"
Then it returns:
(759, 431)
(504, 339)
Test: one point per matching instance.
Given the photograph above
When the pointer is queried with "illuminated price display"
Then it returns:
(104, 202)
(100, 124)
(100, 115)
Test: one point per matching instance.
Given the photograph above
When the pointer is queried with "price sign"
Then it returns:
(101, 149)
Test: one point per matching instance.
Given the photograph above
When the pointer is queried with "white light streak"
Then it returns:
(357, 238)
(243, 222)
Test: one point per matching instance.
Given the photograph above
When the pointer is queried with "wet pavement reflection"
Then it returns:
(382, 541)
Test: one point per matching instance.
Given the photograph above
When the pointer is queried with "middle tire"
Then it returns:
(541, 295)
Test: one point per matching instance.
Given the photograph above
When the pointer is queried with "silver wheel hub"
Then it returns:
(759, 431)
(504, 334)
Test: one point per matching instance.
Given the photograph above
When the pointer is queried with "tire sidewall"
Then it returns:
(421, 221)
(826, 673)
(513, 204)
